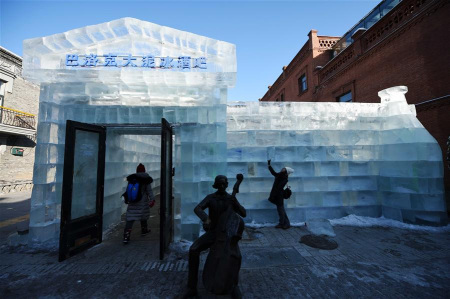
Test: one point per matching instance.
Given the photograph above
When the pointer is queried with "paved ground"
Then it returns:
(369, 263)
(14, 213)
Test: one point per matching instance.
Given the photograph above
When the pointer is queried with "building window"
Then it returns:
(346, 97)
(282, 97)
(302, 85)
(276, 100)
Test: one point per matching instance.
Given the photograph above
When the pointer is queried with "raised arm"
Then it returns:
(272, 171)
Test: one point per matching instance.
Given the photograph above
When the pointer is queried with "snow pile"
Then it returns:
(361, 221)
(320, 226)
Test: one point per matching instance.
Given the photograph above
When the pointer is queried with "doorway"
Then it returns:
(83, 198)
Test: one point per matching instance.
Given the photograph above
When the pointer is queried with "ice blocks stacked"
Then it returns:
(123, 154)
(349, 158)
(194, 100)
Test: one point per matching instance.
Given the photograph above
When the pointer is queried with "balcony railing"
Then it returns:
(17, 118)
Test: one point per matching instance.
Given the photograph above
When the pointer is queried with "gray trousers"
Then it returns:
(284, 220)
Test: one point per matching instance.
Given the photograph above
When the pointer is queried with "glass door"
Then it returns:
(82, 192)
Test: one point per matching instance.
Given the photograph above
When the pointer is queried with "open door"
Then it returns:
(82, 191)
(166, 208)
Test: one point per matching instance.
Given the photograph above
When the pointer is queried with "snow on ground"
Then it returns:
(179, 248)
(362, 221)
(253, 224)
(350, 220)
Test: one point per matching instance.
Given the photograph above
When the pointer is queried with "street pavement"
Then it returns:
(371, 262)
(14, 213)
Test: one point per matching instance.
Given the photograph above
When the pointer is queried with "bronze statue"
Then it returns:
(223, 229)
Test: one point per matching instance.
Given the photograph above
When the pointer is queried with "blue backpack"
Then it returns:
(133, 193)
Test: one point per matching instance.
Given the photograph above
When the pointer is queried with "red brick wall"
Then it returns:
(435, 117)
(312, 54)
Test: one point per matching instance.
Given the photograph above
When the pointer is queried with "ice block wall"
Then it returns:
(349, 158)
(193, 100)
(123, 154)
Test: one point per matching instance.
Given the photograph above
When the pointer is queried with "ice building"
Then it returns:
(127, 75)
(106, 88)
(349, 158)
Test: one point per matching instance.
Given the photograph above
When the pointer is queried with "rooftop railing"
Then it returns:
(17, 118)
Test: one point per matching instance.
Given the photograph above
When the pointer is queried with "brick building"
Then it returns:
(19, 104)
(397, 43)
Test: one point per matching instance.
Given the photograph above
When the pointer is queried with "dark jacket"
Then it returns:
(281, 179)
(141, 210)
(218, 203)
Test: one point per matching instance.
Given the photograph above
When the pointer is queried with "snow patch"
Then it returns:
(181, 246)
(362, 221)
(253, 224)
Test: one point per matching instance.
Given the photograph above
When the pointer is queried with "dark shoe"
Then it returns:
(189, 293)
(145, 231)
(279, 226)
(126, 236)
(286, 227)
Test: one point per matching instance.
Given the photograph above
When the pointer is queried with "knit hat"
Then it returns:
(140, 168)
(289, 170)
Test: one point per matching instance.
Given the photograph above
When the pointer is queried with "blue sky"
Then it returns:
(267, 34)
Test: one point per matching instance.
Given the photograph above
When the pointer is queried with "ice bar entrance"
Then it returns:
(368, 159)
(84, 177)
(192, 99)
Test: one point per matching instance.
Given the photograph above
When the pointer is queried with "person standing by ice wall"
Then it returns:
(276, 194)
(139, 209)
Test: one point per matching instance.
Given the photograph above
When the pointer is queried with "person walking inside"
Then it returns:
(276, 194)
(139, 198)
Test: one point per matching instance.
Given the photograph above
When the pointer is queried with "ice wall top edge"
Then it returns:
(319, 109)
(392, 112)
(44, 58)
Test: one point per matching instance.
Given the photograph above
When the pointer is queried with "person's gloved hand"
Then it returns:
(152, 203)
(268, 162)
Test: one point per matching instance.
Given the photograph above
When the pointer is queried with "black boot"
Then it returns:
(145, 231)
(126, 236)
(144, 228)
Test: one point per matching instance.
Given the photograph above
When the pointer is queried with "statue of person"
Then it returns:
(218, 204)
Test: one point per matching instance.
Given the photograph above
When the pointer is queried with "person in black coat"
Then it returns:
(276, 194)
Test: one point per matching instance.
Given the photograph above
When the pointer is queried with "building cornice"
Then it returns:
(10, 63)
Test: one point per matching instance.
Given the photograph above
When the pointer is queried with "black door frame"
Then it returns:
(81, 233)
(166, 196)
(88, 229)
